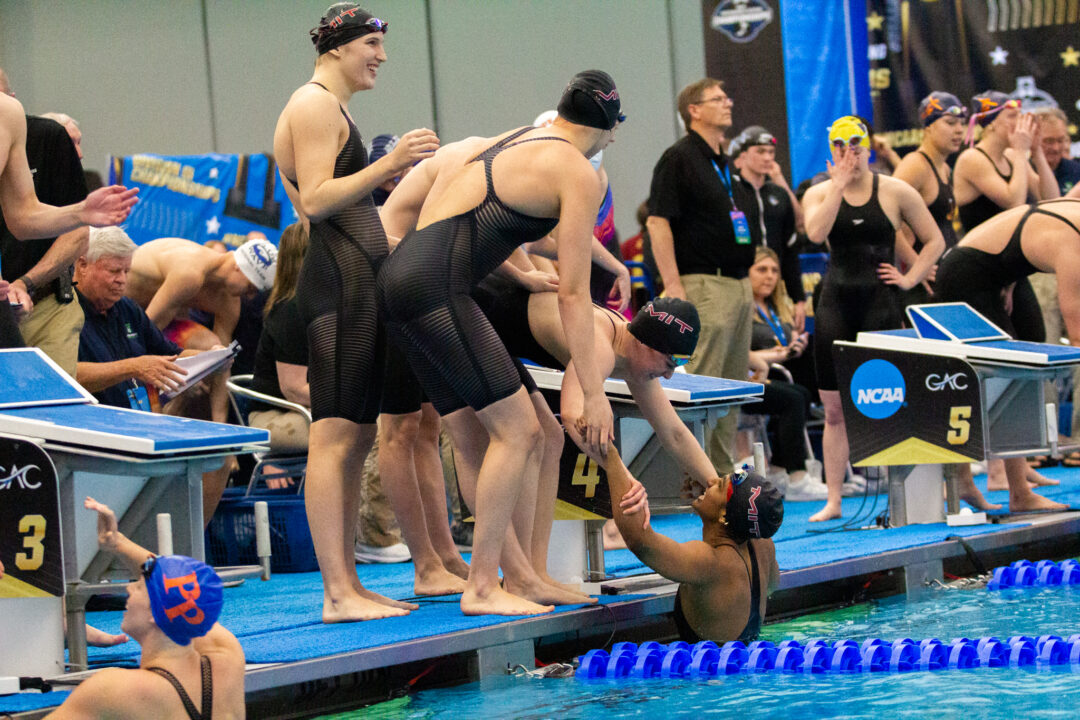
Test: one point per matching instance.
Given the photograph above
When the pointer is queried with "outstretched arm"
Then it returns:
(681, 562)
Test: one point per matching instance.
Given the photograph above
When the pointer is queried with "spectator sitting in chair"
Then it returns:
(123, 356)
(774, 340)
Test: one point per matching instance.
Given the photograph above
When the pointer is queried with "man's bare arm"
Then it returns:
(663, 247)
(60, 255)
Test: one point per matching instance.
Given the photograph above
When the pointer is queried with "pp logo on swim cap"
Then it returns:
(877, 389)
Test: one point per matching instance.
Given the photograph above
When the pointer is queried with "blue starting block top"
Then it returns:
(31, 378)
(953, 321)
(38, 399)
(957, 330)
(681, 388)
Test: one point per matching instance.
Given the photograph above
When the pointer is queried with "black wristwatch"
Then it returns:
(31, 287)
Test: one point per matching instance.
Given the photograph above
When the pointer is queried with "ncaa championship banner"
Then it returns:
(904, 408)
(1029, 49)
(204, 197)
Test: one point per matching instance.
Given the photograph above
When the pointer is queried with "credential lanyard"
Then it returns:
(725, 180)
(774, 322)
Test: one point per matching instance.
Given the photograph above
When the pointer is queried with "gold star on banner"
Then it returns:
(1072, 129)
(874, 21)
(1070, 57)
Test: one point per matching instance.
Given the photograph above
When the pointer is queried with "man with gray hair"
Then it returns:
(122, 353)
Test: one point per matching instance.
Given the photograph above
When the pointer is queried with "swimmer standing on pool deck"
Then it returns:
(329, 181)
(479, 200)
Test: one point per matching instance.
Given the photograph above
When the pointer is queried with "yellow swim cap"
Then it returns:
(849, 131)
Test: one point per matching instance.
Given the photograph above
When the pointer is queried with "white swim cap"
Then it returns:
(545, 118)
(597, 160)
(257, 259)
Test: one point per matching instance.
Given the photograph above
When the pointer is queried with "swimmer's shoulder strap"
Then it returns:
(207, 690)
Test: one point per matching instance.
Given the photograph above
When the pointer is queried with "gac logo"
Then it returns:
(956, 381)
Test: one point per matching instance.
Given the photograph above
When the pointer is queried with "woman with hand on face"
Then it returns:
(858, 212)
(773, 339)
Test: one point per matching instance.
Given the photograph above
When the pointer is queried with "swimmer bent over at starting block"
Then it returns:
(722, 576)
(191, 667)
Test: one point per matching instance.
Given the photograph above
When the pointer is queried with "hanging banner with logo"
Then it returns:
(904, 408)
(792, 67)
(1029, 49)
(204, 197)
(30, 549)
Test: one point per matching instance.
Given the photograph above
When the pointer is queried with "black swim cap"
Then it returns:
(344, 22)
(592, 100)
(755, 507)
(667, 325)
(751, 136)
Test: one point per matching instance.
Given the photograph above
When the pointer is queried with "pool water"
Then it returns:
(1037, 692)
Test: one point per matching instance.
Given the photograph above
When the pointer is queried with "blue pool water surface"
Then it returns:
(981, 693)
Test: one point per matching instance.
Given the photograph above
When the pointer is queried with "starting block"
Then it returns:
(59, 445)
(954, 389)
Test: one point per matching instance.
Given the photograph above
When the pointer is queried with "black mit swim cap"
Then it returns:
(750, 137)
(668, 325)
(344, 22)
(592, 100)
(755, 507)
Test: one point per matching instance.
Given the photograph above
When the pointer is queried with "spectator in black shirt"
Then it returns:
(775, 209)
(704, 245)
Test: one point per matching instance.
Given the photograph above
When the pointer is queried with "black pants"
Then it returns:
(786, 405)
(10, 337)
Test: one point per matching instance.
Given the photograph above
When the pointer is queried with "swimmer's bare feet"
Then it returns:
(975, 499)
(831, 511)
(541, 592)
(1037, 479)
(1030, 501)
(499, 602)
(100, 638)
(439, 581)
(995, 475)
(353, 608)
(457, 566)
(375, 597)
(548, 580)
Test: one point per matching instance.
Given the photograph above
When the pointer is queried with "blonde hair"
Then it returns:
(779, 298)
(291, 250)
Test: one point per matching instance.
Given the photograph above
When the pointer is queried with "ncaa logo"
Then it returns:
(741, 20)
(877, 389)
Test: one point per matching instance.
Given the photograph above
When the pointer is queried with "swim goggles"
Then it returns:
(680, 360)
(853, 141)
(148, 567)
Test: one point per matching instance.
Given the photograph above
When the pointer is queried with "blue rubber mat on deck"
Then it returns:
(25, 702)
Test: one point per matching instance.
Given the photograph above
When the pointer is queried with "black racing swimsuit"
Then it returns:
(424, 293)
(853, 298)
(1026, 321)
(942, 207)
(336, 297)
(753, 624)
(976, 277)
(207, 690)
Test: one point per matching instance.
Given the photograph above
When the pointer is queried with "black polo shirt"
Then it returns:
(771, 212)
(124, 331)
(58, 180)
(688, 192)
(283, 339)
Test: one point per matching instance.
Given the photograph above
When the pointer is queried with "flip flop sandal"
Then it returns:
(1037, 462)
(1071, 459)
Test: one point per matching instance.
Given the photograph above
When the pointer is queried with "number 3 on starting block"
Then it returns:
(29, 513)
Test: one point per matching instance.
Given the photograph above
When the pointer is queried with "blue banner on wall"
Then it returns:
(204, 197)
(826, 75)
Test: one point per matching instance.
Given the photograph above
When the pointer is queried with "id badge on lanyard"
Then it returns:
(738, 217)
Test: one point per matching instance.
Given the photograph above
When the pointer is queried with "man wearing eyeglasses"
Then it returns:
(775, 208)
(704, 244)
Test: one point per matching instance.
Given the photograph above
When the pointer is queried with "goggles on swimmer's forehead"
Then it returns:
(679, 360)
(148, 567)
(372, 25)
(736, 479)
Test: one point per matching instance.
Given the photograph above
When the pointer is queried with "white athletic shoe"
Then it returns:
(780, 479)
(854, 485)
(802, 487)
(392, 554)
